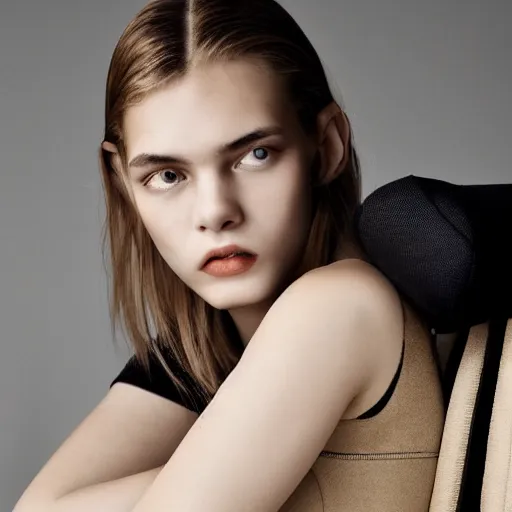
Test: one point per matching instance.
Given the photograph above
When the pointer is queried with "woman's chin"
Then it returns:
(234, 302)
(235, 295)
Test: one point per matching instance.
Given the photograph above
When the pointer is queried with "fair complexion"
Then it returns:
(259, 436)
(88, 473)
(202, 188)
(306, 367)
(328, 347)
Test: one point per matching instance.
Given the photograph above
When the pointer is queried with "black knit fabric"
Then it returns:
(446, 247)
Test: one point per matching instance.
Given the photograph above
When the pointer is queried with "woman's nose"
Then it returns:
(217, 207)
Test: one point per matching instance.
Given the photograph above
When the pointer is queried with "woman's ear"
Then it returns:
(115, 160)
(108, 146)
(118, 178)
(333, 131)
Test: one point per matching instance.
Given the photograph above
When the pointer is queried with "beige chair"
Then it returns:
(447, 249)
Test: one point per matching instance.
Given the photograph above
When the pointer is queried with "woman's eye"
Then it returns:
(260, 157)
(167, 179)
(163, 180)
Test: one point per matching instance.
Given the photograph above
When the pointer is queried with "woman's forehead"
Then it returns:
(207, 108)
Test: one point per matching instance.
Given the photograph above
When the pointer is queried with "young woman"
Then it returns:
(274, 368)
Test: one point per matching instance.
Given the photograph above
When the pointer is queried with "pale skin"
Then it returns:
(325, 349)
(258, 438)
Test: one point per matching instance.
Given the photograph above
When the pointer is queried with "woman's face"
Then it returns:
(197, 190)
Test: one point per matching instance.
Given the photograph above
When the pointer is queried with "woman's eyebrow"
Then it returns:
(145, 159)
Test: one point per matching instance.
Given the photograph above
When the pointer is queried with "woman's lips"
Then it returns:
(231, 265)
(224, 252)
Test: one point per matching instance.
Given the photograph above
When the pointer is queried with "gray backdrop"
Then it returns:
(426, 84)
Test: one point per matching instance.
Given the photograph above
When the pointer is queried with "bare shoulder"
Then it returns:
(348, 305)
(354, 312)
(380, 323)
(357, 285)
(361, 288)
(358, 273)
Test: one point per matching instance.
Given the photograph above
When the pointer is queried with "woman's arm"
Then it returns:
(116, 496)
(322, 343)
(130, 432)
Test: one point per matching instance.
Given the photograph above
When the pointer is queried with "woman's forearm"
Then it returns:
(115, 496)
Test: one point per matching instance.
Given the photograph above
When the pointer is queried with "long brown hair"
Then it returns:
(165, 40)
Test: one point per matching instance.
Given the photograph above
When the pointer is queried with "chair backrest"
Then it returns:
(447, 249)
